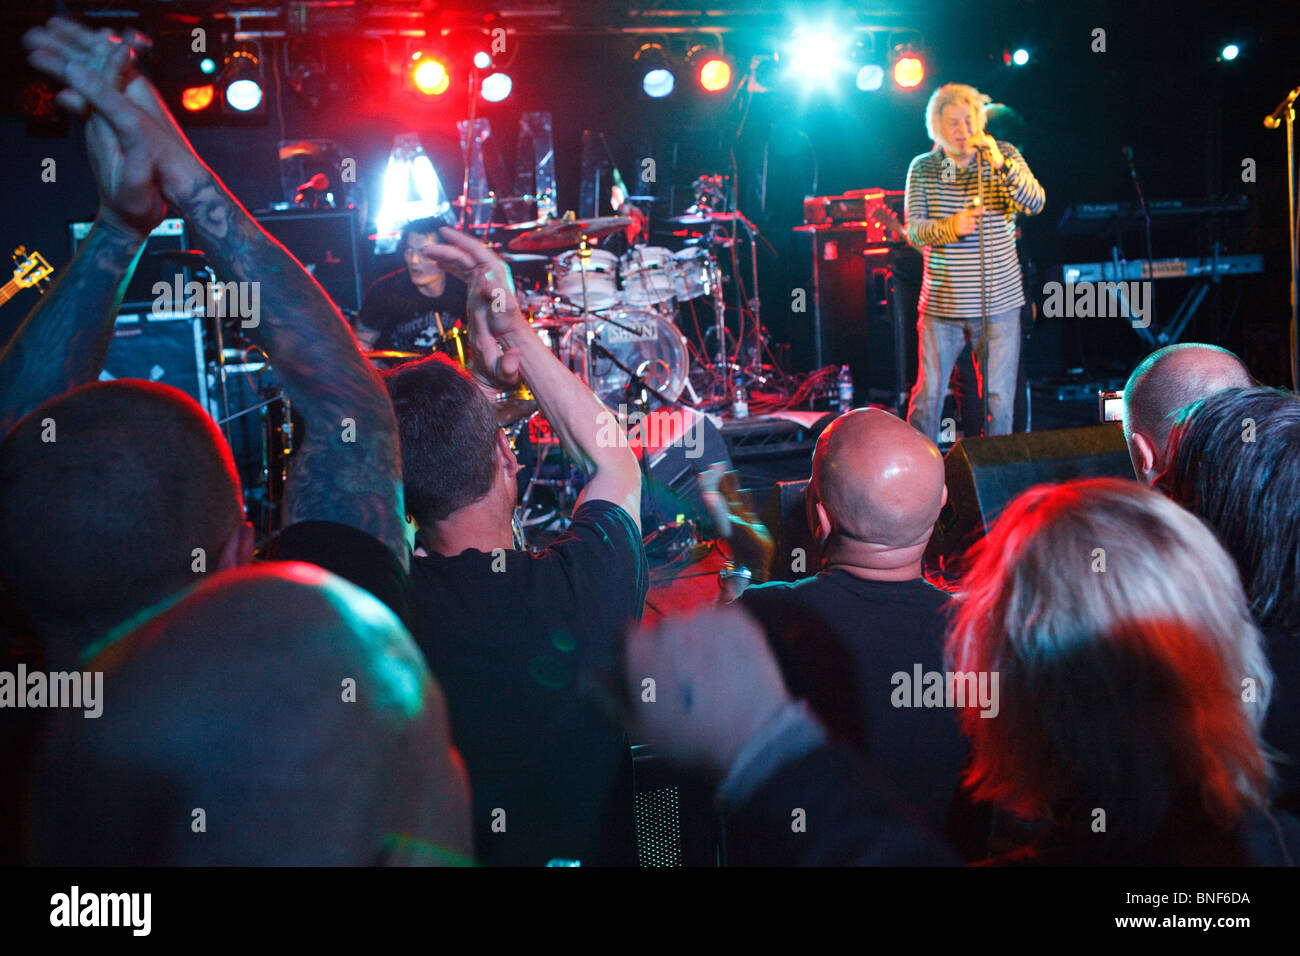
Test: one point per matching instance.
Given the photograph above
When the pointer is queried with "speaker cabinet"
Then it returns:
(864, 311)
(162, 347)
(325, 242)
(985, 474)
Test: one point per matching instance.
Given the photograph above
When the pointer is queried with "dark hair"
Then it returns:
(449, 434)
(1234, 461)
(102, 519)
(421, 227)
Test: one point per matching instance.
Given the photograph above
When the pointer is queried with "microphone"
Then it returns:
(319, 182)
(1274, 119)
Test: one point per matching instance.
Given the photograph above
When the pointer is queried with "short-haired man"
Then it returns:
(845, 635)
(231, 700)
(126, 486)
(115, 495)
(516, 637)
(410, 308)
(1166, 381)
(962, 200)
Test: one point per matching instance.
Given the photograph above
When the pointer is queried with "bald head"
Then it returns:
(880, 481)
(1165, 382)
(290, 707)
(105, 493)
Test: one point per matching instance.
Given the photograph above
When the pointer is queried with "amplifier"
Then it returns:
(325, 242)
(162, 347)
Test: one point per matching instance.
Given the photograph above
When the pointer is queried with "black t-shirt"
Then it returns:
(406, 318)
(349, 552)
(518, 641)
(840, 640)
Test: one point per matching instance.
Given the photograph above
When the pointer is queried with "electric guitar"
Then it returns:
(29, 270)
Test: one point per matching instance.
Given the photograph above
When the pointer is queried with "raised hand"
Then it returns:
(130, 200)
(493, 310)
(716, 683)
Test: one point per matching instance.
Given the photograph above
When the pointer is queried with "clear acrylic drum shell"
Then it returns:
(601, 278)
(656, 350)
(649, 277)
(697, 273)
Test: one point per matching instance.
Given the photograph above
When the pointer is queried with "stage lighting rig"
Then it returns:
(241, 81)
(654, 72)
(711, 69)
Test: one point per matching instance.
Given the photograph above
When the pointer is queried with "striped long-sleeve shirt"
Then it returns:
(937, 189)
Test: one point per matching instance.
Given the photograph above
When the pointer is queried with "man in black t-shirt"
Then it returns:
(844, 635)
(521, 643)
(408, 309)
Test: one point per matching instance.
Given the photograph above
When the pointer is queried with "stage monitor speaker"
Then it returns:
(325, 242)
(675, 821)
(162, 347)
(795, 553)
(985, 474)
(680, 443)
(154, 266)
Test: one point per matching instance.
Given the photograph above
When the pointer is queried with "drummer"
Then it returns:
(409, 310)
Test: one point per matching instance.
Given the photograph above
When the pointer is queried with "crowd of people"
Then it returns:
(389, 681)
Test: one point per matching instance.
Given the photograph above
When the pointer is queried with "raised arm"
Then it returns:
(63, 342)
(347, 469)
(508, 348)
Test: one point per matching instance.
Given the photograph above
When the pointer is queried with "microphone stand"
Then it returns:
(1285, 112)
(1146, 219)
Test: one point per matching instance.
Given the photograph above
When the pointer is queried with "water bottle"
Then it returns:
(740, 407)
(844, 389)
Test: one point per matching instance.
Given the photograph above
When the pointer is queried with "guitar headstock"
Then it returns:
(30, 268)
(882, 215)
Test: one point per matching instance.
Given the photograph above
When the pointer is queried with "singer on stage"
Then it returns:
(962, 201)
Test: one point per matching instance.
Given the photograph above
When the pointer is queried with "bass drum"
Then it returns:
(645, 342)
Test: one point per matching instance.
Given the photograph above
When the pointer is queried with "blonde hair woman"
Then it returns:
(1132, 679)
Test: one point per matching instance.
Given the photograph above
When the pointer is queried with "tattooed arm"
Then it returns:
(347, 468)
(64, 340)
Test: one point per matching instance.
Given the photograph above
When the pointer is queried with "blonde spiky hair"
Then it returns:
(958, 93)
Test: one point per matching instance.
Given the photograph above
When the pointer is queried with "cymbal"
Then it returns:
(557, 234)
(523, 256)
(702, 218)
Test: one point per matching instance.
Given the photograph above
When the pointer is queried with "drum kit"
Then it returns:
(611, 318)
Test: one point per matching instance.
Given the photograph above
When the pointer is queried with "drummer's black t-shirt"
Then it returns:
(407, 319)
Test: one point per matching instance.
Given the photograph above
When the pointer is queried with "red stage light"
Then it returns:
(431, 75)
(715, 75)
(198, 98)
(909, 71)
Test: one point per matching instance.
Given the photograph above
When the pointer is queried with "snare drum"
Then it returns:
(697, 273)
(601, 270)
(649, 277)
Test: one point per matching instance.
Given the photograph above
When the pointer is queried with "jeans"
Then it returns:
(996, 351)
